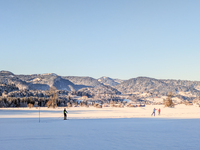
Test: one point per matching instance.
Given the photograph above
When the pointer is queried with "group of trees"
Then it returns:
(22, 102)
(50, 101)
(6, 88)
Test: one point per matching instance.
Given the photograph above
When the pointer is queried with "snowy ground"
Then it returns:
(179, 112)
(20, 129)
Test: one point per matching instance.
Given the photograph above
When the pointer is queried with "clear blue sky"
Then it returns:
(116, 38)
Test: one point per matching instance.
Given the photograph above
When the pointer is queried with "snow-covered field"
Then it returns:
(179, 112)
(20, 129)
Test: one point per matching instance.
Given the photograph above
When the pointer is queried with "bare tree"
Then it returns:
(168, 101)
(53, 96)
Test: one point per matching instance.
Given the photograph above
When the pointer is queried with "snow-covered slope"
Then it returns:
(109, 81)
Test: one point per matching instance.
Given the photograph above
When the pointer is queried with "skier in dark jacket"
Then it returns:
(65, 114)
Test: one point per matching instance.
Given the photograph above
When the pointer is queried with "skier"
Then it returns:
(65, 114)
(153, 112)
(159, 111)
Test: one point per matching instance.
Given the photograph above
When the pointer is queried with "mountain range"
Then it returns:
(140, 86)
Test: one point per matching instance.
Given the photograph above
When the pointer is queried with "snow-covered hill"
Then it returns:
(142, 87)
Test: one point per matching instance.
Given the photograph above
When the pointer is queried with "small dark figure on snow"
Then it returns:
(154, 110)
(159, 111)
(65, 114)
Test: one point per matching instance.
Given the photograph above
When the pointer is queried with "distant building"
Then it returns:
(84, 97)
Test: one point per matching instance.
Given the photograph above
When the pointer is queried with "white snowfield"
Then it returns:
(100, 128)
(179, 112)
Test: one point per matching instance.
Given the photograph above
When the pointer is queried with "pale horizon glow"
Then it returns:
(113, 38)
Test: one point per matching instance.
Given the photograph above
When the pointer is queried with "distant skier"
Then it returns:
(65, 114)
(159, 111)
(154, 110)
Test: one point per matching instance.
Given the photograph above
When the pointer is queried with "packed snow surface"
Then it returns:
(21, 129)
